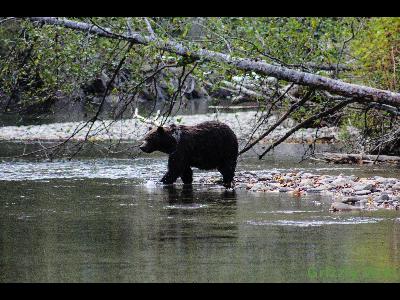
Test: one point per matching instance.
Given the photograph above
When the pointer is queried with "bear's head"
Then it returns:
(159, 139)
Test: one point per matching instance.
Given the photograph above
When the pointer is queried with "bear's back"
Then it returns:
(207, 145)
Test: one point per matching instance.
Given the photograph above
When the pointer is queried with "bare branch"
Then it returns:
(306, 123)
(283, 118)
(6, 20)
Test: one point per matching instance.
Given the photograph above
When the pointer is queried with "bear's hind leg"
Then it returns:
(187, 175)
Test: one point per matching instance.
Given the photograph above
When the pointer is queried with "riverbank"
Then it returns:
(242, 123)
(347, 193)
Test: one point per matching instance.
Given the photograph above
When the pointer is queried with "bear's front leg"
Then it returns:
(187, 175)
(168, 178)
(228, 172)
(175, 169)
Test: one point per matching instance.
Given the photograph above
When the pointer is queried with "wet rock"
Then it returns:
(351, 200)
(339, 206)
(265, 177)
(249, 186)
(375, 189)
(340, 182)
(380, 180)
(362, 203)
(314, 190)
(273, 181)
(347, 190)
(250, 173)
(363, 186)
(285, 190)
(273, 185)
(396, 187)
(307, 175)
(241, 185)
(257, 186)
(306, 182)
(378, 200)
(384, 197)
(362, 192)
(353, 178)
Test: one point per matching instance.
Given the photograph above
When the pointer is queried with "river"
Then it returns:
(108, 220)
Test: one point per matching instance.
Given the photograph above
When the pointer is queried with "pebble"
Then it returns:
(339, 206)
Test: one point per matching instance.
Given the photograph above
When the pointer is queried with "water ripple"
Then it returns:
(315, 223)
(143, 169)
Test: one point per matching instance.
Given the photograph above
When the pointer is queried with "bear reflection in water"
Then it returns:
(187, 195)
(206, 146)
(201, 214)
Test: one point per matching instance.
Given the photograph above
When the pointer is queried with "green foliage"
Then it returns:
(377, 49)
(38, 62)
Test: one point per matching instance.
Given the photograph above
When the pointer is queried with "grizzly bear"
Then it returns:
(206, 146)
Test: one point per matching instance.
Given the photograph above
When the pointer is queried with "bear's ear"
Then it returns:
(160, 129)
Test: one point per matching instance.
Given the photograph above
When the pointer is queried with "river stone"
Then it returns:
(249, 186)
(273, 181)
(362, 192)
(339, 182)
(362, 203)
(396, 186)
(326, 180)
(241, 185)
(257, 186)
(285, 190)
(347, 190)
(307, 175)
(314, 190)
(384, 197)
(265, 177)
(380, 179)
(351, 200)
(353, 177)
(378, 200)
(363, 186)
(307, 182)
(339, 206)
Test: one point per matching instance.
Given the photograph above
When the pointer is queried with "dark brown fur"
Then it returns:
(206, 146)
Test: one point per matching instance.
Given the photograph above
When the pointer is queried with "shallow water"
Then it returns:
(108, 220)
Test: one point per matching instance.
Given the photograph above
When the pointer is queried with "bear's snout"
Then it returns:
(145, 147)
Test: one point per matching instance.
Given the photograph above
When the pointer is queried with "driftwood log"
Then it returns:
(343, 158)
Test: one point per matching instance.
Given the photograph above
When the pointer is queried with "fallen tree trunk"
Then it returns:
(343, 158)
(362, 93)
